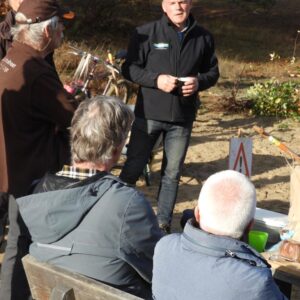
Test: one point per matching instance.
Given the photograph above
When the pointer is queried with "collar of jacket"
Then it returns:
(7, 23)
(219, 246)
(61, 210)
(25, 50)
(168, 22)
(51, 182)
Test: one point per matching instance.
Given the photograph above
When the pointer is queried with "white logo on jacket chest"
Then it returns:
(9, 62)
(6, 64)
(161, 46)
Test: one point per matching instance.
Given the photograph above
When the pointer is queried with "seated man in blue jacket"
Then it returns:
(209, 261)
(88, 221)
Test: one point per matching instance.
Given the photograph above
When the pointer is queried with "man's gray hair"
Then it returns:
(227, 203)
(99, 126)
(32, 34)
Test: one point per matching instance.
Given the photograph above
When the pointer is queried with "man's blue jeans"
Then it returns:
(176, 137)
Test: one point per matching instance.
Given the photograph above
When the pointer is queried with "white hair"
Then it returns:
(32, 34)
(227, 203)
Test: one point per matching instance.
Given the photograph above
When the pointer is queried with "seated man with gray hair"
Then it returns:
(208, 260)
(88, 221)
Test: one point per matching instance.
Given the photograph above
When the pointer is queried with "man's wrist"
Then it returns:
(156, 81)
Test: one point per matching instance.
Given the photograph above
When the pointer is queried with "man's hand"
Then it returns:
(190, 86)
(166, 83)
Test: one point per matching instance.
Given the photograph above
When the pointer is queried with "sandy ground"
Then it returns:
(209, 152)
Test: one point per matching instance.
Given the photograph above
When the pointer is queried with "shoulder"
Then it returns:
(202, 32)
(149, 27)
(239, 275)
(165, 244)
(44, 75)
(34, 67)
(121, 190)
(199, 30)
(44, 66)
(260, 281)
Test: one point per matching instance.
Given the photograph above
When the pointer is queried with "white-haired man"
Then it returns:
(35, 112)
(209, 261)
(6, 37)
(104, 229)
(6, 40)
(171, 59)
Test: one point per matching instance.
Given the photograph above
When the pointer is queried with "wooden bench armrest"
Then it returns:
(49, 282)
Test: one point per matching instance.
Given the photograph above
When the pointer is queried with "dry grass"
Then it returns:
(245, 37)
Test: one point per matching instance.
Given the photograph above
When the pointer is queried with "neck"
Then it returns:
(91, 165)
(184, 25)
(42, 51)
(180, 27)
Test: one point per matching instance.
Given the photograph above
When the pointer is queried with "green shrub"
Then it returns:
(273, 98)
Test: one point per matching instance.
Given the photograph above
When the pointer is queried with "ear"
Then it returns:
(197, 214)
(116, 153)
(249, 226)
(163, 6)
(47, 31)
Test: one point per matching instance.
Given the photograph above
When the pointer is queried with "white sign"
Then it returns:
(240, 155)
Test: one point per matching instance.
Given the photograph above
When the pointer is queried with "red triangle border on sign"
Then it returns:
(241, 152)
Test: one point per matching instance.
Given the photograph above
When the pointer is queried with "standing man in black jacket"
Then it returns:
(172, 59)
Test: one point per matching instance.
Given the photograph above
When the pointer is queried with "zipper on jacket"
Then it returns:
(228, 253)
(177, 55)
(175, 50)
(233, 255)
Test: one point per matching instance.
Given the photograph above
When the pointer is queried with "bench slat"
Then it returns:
(44, 279)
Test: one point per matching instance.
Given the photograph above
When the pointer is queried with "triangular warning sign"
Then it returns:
(240, 163)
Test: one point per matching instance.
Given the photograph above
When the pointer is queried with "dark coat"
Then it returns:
(98, 227)
(35, 113)
(155, 49)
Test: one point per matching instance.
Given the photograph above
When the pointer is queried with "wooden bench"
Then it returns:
(47, 281)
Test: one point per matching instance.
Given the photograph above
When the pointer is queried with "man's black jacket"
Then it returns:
(155, 49)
